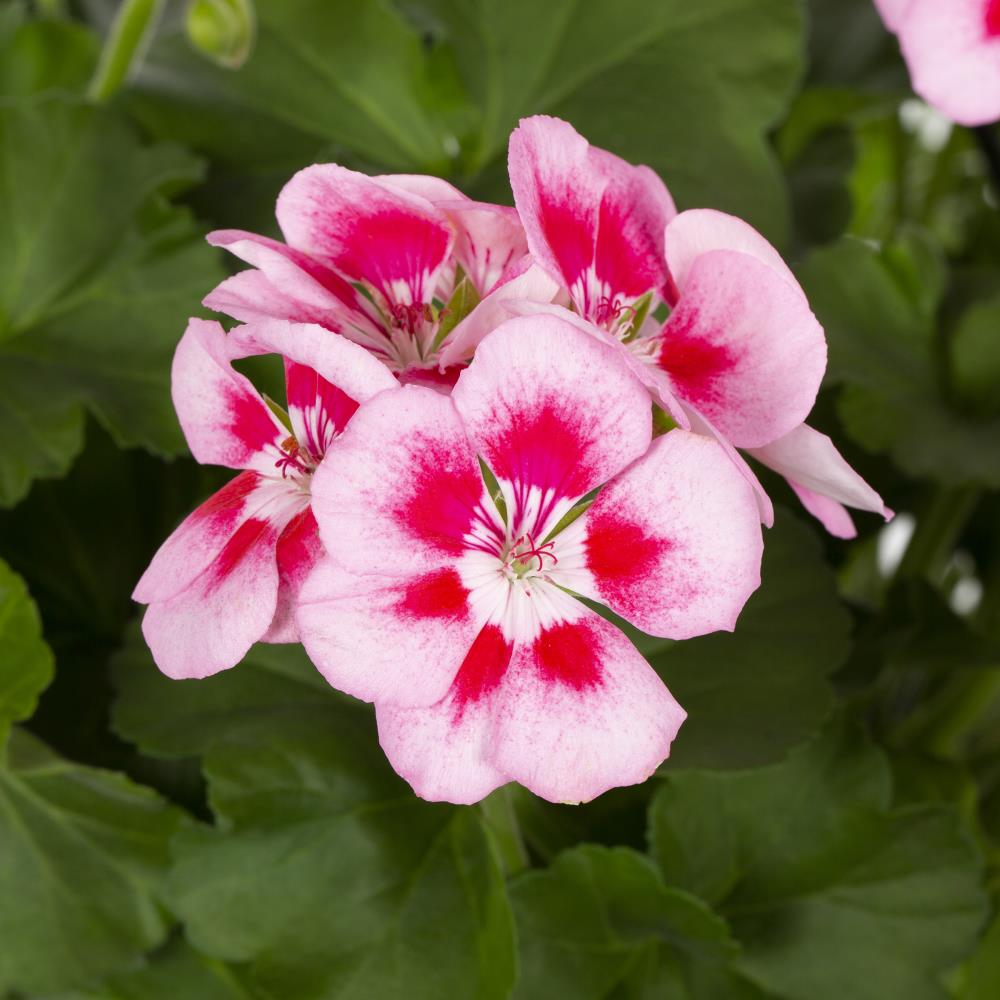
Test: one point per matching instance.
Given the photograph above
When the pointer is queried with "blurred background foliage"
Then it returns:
(829, 823)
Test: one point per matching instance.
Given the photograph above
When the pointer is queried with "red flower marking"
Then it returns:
(993, 19)
(435, 595)
(695, 364)
(251, 532)
(249, 420)
(621, 555)
(567, 653)
(481, 670)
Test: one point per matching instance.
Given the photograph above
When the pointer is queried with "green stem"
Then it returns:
(501, 820)
(968, 699)
(125, 46)
(938, 529)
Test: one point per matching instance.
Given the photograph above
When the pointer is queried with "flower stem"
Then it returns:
(501, 821)
(938, 528)
(125, 46)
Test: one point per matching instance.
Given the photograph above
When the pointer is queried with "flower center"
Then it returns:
(525, 558)
(295, 460)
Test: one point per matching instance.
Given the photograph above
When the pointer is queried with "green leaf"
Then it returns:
(601, 923)
(41, 56)
(981, 976)
(631, 77)
(752, 694)
(83, 852)
(829, 893)
(323, 870)
(878, 308)
(25, 660)
(975, 356)
(176, 972)
(97, 277)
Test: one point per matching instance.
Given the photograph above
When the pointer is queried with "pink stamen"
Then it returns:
(609, 310)
(290, 459)
(409, 317)
(534, 551)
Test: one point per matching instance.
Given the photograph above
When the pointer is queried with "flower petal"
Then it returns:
(580, 711)
(700, 230)
(366, 229)
(832, 515)
(298, 551)
(397, 640)
(443, 750)
(892, 11)
(553, 412)
(210, 625)
(200, 537)
(295, 273)
(810, 460)
(223, 417)
(673, 544)
(593, 220)
(524, 281)
(743, 347)
(953, 54)
(340, 362)
(400, 491)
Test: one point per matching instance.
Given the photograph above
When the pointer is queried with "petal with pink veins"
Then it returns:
(222, 415)
(367, 230)
(673, 544)
(743, 347)
(553, 412)
(593, 220)
(809, 460)
(210, 625)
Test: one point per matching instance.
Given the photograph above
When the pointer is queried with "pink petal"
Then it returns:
(490, 240)
(298, 551)
(553, 412)
(367, 230)
(525, 281)
(200, 537)
(400, 489)
(593, 220)
(832, 515)
(443, 750)
(743, 347)
(810, 461)
(700, 230)
(765, 508)
(580, 711)
(394, 638)
(210, 625)
(953, 54)
(673, 544)
(892, 11)
(318, 410)
(295, 273)
(339, 361)
(223, 417)
(250, 297)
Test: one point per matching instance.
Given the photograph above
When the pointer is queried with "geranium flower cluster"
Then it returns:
(496, 421)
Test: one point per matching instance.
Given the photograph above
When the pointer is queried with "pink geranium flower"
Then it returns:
(952, 50)
(379, 260)
(487, 668)
(740, 355)
(230, 574)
